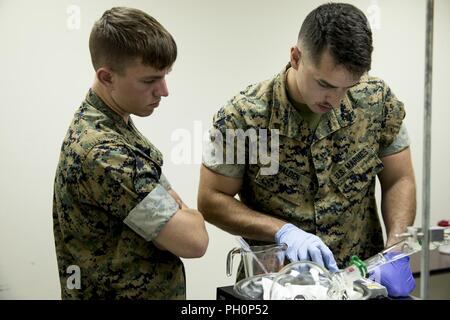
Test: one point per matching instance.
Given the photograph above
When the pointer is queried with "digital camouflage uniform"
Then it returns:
(110, 201)
(325, 183)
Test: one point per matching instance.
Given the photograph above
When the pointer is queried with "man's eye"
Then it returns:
(323, 85)
(148, 81)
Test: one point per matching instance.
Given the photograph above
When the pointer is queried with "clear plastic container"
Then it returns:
(259, 259)
(302, 280)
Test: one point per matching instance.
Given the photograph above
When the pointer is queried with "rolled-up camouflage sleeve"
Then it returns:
(393, 115)
(217, 150)
(214, 158)
(127, 186)
(152, 213)
(400, 143)
(165, 182)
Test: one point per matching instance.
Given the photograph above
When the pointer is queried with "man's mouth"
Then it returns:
(154, 104)
(325, 106)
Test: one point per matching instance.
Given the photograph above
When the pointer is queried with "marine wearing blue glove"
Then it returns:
(396, 276)
(305, 246)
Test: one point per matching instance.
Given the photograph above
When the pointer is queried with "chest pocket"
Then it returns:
(287, 184)
(355, 176)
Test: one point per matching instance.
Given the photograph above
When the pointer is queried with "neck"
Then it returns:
(292, 88)
(106, 97)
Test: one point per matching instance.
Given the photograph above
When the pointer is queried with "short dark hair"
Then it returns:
(123, 34)
(344, 30)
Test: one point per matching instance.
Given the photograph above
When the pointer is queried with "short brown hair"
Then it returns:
(123, 34)
(342, 29)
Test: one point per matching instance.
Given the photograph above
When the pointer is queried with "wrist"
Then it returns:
(393, 231)
(279, 235)
(392, 239)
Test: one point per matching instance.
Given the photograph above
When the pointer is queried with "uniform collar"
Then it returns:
(289, 122)
(284, 117)
(128, 131)
(338, 118)
(94, 100)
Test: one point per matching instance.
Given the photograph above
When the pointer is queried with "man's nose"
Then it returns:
(161, 89)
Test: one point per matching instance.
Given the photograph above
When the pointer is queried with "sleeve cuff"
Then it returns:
(164, 182)
(152, 213)
(215, 162)
(400, 143)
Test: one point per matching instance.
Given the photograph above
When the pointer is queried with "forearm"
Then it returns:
(196, 238)
(398, 207)
(233, 216)
(184, 234)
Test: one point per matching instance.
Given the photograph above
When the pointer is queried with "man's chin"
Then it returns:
(144, 113)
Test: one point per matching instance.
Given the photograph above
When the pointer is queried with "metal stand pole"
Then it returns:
(425, 257)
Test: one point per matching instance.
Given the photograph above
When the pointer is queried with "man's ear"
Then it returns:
(106, 77)
(295, 57)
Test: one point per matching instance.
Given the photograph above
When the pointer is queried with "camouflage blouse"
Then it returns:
(324, 180)
(110, 201)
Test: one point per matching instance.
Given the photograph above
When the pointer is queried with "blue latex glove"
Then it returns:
(305, 246)
(395, 276)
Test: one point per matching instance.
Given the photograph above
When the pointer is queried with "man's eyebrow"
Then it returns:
(334, 87)
(323, 82)
(154, 77)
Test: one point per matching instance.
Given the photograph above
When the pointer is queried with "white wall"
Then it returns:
(223, 46)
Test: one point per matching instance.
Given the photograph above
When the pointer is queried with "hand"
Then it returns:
(396, 276)
(305, 246)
